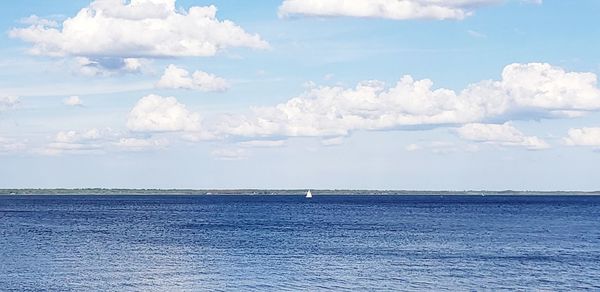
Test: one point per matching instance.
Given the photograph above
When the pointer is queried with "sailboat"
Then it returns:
(308, 194)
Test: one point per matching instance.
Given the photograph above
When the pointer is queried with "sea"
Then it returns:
(344, 242)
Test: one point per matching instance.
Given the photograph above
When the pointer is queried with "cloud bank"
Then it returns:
(525, 91)
(482, 111)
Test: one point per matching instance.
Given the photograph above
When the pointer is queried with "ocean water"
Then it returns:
(288, 243)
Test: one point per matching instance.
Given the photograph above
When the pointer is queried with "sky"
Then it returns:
(302, 94)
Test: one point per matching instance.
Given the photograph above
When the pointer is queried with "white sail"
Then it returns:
(308, 194)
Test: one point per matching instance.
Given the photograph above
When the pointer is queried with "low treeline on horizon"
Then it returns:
(121, 191)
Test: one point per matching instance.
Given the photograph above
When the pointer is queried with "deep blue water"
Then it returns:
(263, 243)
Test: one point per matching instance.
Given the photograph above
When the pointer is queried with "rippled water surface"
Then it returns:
(262, 243)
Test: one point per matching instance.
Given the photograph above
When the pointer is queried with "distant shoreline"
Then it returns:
(250, 192)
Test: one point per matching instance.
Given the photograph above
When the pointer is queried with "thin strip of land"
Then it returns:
(119, 191)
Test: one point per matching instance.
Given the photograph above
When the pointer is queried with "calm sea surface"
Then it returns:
(278, 243)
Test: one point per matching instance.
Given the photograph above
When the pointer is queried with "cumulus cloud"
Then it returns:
(524, 91)
(114, 36)
(8, 102)
(178, 78)
(72, 101)
(504, 135)
(583, 137)
(154, 113)
(137, 29)
(391, 9)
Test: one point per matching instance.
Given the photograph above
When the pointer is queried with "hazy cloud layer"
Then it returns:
(391, 9)
(99, 141)
(8, 102)
(8, 146)
(90, 141)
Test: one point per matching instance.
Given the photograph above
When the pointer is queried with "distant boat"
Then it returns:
(308, 194)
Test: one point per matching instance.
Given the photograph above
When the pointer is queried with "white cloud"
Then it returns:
(137, 29)
(8, 102)
(504, 135)
(155, 113)
(136, 144)
(132, 64)
(544, 87)
(74, 136)
(583, 137)
(72, 101)
(525, 91)
(391, 9)
(178, 78)
(230, 154)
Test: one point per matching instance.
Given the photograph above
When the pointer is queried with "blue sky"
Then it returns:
(478, 94)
